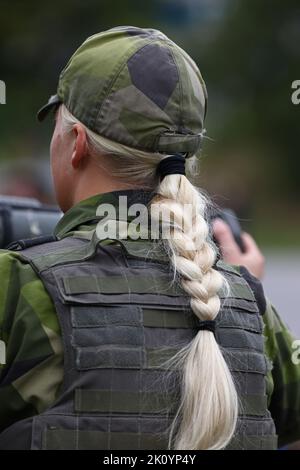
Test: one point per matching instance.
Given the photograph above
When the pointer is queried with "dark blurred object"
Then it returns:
(228, 216)
(25, 218)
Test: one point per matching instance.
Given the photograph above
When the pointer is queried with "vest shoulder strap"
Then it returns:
(30, 242)
(46, 252)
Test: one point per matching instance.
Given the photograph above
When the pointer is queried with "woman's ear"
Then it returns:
(80, 146)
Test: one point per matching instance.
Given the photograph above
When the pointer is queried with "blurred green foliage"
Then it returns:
(248, 52)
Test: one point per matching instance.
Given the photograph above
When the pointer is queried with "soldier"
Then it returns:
(133, 342)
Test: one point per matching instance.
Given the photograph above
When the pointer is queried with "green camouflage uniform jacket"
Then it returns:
(31, 378)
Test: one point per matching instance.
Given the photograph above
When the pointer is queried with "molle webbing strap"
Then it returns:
(168, 319)
(154, 317)
(248, 442)
(228, 317)
(245, 361)
(54, 439)
(121, 284)
(107, 401)
(66, 439)
(244, 305)
(133, 316)
(135, 358)
(122, 357)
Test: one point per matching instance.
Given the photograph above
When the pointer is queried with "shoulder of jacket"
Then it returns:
(8, 257)
(254, 284)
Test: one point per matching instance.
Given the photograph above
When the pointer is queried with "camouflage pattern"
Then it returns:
(122, 317)
(137, 87)
(31, 379)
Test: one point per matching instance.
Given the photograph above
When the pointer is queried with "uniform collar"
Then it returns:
(84, 213)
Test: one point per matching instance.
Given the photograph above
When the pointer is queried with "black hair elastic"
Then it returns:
(173, 165)
(209, 325)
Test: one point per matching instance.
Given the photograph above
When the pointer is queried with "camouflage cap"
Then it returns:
(137, 87)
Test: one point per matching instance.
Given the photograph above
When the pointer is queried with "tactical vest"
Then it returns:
(122, 318)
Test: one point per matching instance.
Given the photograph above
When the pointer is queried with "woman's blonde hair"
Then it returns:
(207, 415)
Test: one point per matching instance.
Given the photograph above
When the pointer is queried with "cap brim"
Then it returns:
(53, 102)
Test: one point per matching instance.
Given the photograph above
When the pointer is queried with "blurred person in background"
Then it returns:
(124, 343)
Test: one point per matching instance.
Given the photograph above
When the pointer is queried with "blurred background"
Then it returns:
(248, 52)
